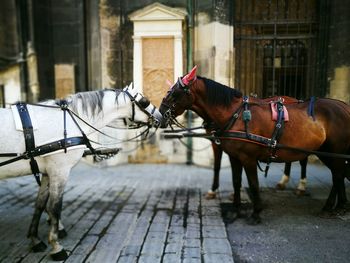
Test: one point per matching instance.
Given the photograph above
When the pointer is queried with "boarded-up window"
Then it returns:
(158, 66)
(64, 80)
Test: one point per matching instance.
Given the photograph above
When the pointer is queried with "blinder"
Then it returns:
(145, 105)
(144, 102)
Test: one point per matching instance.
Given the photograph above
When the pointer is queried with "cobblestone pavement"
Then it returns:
(158, 213)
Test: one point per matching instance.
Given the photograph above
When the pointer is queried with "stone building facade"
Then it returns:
(49, 49)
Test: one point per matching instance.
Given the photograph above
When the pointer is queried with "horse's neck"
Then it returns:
(112, 108)
(219, 115)
(115, 108)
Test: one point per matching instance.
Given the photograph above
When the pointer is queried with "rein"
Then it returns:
(245, 136)
(256, 139)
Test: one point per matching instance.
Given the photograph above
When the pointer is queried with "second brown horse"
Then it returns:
(326, 130)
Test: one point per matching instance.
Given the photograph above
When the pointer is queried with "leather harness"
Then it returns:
(246, 117)
(32, 151)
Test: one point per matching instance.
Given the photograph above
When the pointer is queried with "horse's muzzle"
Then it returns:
(164, 123)
(157, 118)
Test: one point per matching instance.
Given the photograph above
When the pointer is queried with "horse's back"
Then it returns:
(335, 115)
(48, 128)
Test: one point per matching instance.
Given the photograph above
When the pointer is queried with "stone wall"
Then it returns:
(339, 51)
(9, 44)
(10, 79)
(116, 44)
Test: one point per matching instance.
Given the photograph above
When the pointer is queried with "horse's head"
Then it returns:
(143, 111)
(178, 98)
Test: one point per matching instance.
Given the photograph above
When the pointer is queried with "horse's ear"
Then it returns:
(168, 82)
(190, 76)
(128, 87)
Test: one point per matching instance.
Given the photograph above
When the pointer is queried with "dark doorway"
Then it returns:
(275, 47)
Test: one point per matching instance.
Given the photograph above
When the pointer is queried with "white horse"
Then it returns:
(97, 108)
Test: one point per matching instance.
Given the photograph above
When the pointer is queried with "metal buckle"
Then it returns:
(217, 141)
(273, 143)
(167, 114)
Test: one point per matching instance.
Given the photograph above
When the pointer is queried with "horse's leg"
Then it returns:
(40, 203)
(337, 195)
(236, 168)
(347, 168)
(338, 181)
(57, 183)
(302, 182)
(342, 200)
(281, 185)
(252, 176)
(217, 165)
(62, 233)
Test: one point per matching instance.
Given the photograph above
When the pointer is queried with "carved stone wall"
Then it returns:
(158, 66)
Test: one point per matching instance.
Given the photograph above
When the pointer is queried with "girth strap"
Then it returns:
(28, 138)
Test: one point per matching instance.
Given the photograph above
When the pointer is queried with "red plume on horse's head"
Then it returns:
(190, 76)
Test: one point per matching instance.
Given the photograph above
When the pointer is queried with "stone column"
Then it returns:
(340, 85)
(138, 63)
(178, 61)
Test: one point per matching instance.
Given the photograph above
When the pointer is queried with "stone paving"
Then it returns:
(139, 213)
(129, 213)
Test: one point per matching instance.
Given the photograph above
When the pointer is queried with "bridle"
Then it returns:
(169, 115)
(145, 106)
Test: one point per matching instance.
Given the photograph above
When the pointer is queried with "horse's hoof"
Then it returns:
(210, 195)
(62, 233)
(59, 256)
(299, 192)
(231, 197)
(280, 186)
(253, 220)
(340, 211)
(229, 218)
(40, 247)
(327, 214)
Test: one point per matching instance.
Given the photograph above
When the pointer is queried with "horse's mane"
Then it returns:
(89, 101)
(219, 94)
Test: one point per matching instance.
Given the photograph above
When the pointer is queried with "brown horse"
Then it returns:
(326, 130)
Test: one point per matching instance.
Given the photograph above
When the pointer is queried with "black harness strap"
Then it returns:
(86, 139)
(45, 149)
(64, 106)
(28, 138)
(246, 115)
(277, 133)
(233, 118)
